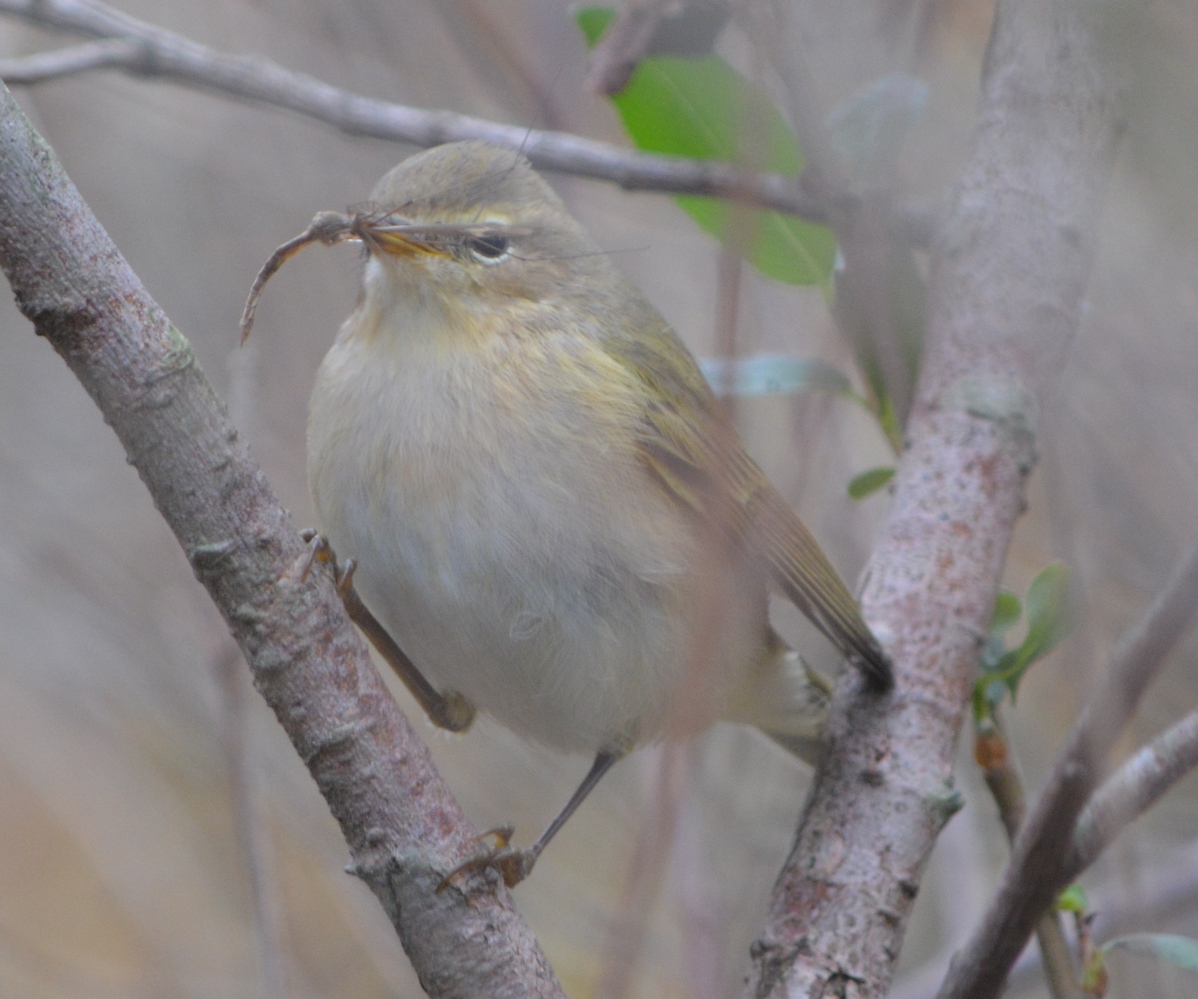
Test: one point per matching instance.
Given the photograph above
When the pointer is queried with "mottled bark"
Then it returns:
(1010, 264)
(404, 829)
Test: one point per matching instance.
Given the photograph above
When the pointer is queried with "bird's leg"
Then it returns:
(449, 710)
(516, 865)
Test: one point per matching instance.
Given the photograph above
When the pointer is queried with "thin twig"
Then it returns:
(1134, 788)
(1038, 863)
(1167, 888)
(85, 58)
(768, 25)
(645, 28)
(624, 44)
(167, 55)
(627, 937)
(1000, 769)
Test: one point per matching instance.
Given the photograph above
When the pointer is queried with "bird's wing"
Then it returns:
(702, 463)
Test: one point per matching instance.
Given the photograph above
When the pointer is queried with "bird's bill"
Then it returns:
(402, 237)
(397, 235)
(406, 239)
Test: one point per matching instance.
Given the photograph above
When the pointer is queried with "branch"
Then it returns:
(1172, 880)
(1131, 791)
(46, 66)
(164, 54)
(1000, 770)
(1005, 290)
(1166, 888)
(1036, 872)
(624, 44)
(403, 827)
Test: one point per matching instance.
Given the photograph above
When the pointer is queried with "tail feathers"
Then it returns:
(787, 700)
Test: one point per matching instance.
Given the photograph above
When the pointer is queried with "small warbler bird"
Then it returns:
(547, 510)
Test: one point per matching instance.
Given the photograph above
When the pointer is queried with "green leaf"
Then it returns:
(987, 695)
(701, 108)
(869, 482)
(1007, 611)
(773, 374)
(1048, 622)
(981, 710)
(1179, 951)
(1073, 899)
(889, 422)
(1094, 975)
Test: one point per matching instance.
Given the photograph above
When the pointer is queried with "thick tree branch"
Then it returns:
(403, 827)
(1005, 291)
(164, 54)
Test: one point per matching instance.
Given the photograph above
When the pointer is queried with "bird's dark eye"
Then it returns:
(489, 247)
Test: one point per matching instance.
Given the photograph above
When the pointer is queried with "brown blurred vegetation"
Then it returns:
(127, 724)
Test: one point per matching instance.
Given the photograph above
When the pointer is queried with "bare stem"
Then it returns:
(1001, 772)
(624, 44)
(59, 63)
(1134, 788)
(156, 52)
(1039, 862)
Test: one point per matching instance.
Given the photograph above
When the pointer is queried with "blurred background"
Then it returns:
(158, 835)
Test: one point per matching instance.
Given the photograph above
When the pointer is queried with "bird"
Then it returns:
(547, 510)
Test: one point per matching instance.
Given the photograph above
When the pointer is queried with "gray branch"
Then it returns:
(1134, 788)
(1038, 868)
(1007, 278)
(404, 830)
(624, 44)
(166, 55)
(86, 58)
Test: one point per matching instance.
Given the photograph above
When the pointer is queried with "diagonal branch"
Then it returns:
(1000, 769)
(624, 44)
(404, 829)
(1037, 869)
(1128, 793)
(167, 55)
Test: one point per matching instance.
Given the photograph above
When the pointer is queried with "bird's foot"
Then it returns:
(511, 865)
(319, 550)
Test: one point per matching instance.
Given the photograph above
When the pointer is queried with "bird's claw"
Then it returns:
(319, 550)
(511, 865)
